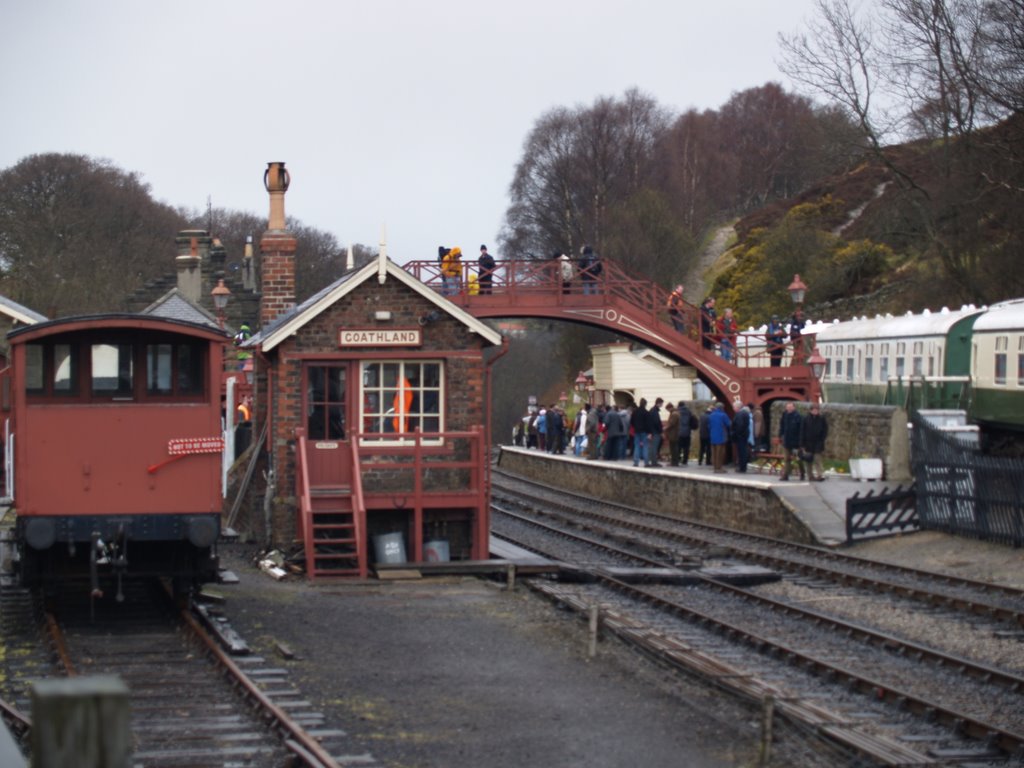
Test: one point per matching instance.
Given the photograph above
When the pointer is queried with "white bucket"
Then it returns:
(389, 548)
(436, 551)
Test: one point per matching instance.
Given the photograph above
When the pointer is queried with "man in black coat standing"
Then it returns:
(742, 437)
(813, 433)
(656, 428)
(789, 436)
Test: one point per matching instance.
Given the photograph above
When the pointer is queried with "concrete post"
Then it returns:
(81, 721)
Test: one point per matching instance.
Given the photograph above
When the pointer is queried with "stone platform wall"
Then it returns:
(711, 500)
(863, 431)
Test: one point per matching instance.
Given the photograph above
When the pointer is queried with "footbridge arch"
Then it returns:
(633, 308)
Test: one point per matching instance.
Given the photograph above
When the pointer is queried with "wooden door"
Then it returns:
(326, 407)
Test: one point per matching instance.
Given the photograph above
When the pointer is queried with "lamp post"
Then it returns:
(581, 386)
(818, 363)
(221, 293)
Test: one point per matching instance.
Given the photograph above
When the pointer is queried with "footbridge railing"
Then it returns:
(742, 366)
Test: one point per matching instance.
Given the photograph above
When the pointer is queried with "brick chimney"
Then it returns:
(191, 246)
(277, 250)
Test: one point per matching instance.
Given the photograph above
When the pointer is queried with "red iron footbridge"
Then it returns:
(636, 309)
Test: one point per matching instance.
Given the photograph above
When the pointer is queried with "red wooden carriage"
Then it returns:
(117, 448)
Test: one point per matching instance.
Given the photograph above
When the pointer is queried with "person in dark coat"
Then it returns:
(789, 437)
(776, 338)
(656, 428)
(708, 323)
(615, 433)
(640, 426)
(742, 437)
(705, 438)
(687, 423)
(813, 433)
(486, 267)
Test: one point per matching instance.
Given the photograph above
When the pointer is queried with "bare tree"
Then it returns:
(924, 69)
(578, 164)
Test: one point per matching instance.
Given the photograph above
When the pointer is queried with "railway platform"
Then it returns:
(817, 510)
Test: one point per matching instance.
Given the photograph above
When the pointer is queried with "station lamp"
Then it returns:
(221, 293)
(817, 363)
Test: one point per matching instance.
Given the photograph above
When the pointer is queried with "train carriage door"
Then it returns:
(326, 408)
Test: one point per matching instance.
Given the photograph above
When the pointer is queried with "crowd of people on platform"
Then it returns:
(666, 434)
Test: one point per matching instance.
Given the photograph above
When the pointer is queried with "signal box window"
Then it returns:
(401, 397)
(325, 402)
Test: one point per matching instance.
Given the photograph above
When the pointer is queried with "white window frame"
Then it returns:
(383, 438)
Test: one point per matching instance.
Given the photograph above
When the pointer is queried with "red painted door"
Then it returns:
(328, 450)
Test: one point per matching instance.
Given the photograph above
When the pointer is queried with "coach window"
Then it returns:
(52, 370)
(174, 369)
(112, 373)
(850, 369)
(917, 359)
(869, 369)
(1001, 345)
(901, 350)
(401, 397)
(1020, 361)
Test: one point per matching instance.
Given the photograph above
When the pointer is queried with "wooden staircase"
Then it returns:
(333, 546)
(331, 522)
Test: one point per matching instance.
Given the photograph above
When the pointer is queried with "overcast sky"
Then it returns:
(409, 115)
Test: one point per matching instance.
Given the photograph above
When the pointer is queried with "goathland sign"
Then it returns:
(376, 337)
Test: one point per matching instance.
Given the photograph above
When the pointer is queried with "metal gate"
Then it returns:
(961, 491)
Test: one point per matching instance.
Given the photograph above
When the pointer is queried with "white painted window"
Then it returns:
(401, 397)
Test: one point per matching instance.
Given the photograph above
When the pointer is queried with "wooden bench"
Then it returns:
(772, 463)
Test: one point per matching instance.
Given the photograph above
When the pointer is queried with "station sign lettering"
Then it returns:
(378, 337)
(181, 446)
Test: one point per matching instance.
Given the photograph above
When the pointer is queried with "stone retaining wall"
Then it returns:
(863, 431)
(713, 500)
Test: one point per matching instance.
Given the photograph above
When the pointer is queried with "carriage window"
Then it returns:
(869, 369)
(1020, 361)
(191, 371)
(401, 397)
(34, 373)
(174, 369)
(1000, 359)
(850, 370)
(158, 368)
(883, 369)
(112, 370)
(51, 369)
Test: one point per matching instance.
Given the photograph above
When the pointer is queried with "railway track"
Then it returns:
(192, 703)
(894, 700)
(995, 605)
